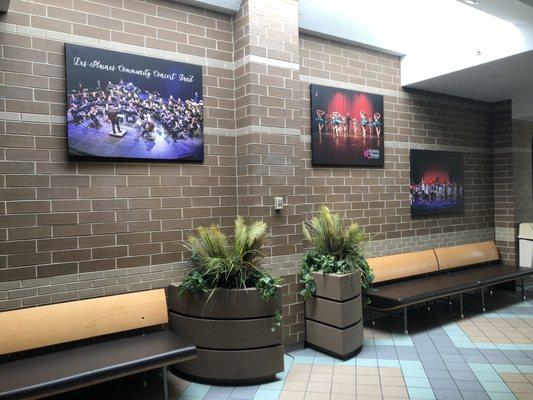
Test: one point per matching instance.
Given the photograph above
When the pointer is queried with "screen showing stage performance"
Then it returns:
(437, 185)
(127, 106)
(346, 127)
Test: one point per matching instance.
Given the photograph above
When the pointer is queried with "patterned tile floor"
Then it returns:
(483, 356)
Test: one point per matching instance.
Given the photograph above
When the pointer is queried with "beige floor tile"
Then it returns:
(324, 369)
(344, 369)
(298, 376)
(344, 388)
(320, 387)
(392, 380)
(524, 396)
(320, 377)
(368, 390)
(295, 386)
(290, 395)
(521, 387)
(390, 371)
(369, 397)
(338, 378)
(316, 396)
(367, 370)
(301, 367)
(509, 377)
(529, 377)
(368, 380)
(394, 391)
(342, 396)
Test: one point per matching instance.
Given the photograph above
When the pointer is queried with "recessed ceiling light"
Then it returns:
(472, 2)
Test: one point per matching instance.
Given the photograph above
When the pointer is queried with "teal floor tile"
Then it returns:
(478, 367)
(421, 393)
(488, 376)
(413, 373)
(495, 387)
(525, 369)
(388, 363)
(366, 362)
(267, 395)
(324, 361)
(196, 389)
(501, 396)
(417, 382)
(303, 360)
(505, 368)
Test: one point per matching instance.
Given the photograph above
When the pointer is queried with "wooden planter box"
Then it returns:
(232, 331)
(334, 316)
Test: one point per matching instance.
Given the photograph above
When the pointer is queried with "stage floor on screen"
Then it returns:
(86, 140)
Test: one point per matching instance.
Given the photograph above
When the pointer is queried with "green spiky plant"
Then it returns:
(221, 264)
(335, 250)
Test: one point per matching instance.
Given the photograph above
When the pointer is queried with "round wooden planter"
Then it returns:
(334, 322)
(232, 331)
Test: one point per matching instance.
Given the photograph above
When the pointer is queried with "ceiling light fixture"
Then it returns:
(472, 2)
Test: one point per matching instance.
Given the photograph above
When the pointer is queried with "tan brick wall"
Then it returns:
(60, 217)
(376, 198)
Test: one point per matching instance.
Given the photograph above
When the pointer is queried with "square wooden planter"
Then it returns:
(334, 322)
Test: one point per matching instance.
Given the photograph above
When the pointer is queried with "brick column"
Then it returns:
(267, 93)
(504, 194)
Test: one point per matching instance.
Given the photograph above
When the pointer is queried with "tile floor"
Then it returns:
(483, 356)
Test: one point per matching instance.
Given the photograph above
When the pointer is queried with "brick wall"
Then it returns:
(504, 194)
(102, 220)
(522, 173)
(378, 199)
(75, 230)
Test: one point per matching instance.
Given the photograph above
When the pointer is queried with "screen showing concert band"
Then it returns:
(130, 106)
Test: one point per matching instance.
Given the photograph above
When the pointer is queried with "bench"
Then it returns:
(403, 280)
(61, 347)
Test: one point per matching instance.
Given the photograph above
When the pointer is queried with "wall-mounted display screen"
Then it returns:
(437, 184)
(129, 106)
(346, 127)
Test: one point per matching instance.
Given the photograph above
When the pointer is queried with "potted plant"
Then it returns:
(229, 307)
(336, 278)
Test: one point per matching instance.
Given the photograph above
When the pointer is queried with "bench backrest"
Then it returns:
(403, 265)
(466, 254)
(36, 327)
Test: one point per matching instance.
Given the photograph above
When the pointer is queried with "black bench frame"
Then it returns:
(477, 285)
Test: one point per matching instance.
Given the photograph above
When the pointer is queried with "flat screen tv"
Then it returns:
(437, 183)
(346, 127)
(126, 106)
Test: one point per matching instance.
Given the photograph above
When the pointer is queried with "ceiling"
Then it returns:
(492, 81)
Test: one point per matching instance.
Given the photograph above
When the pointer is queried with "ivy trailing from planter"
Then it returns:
(221, 264)
(336, 250)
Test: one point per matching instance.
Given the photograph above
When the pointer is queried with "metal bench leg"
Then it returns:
(461, 304)
(165, 383)
(523, 290)
(405, 331)
(373, 316)
(490, 290)
(428, 308)
(483, 299)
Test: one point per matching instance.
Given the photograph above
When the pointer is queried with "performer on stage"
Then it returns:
(320, 120)
(364, 121)
(376, 123)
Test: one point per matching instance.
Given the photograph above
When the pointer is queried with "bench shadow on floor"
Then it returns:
(130, 387)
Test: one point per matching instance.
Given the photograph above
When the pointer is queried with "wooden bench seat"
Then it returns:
(403, 280)
(48, 350)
